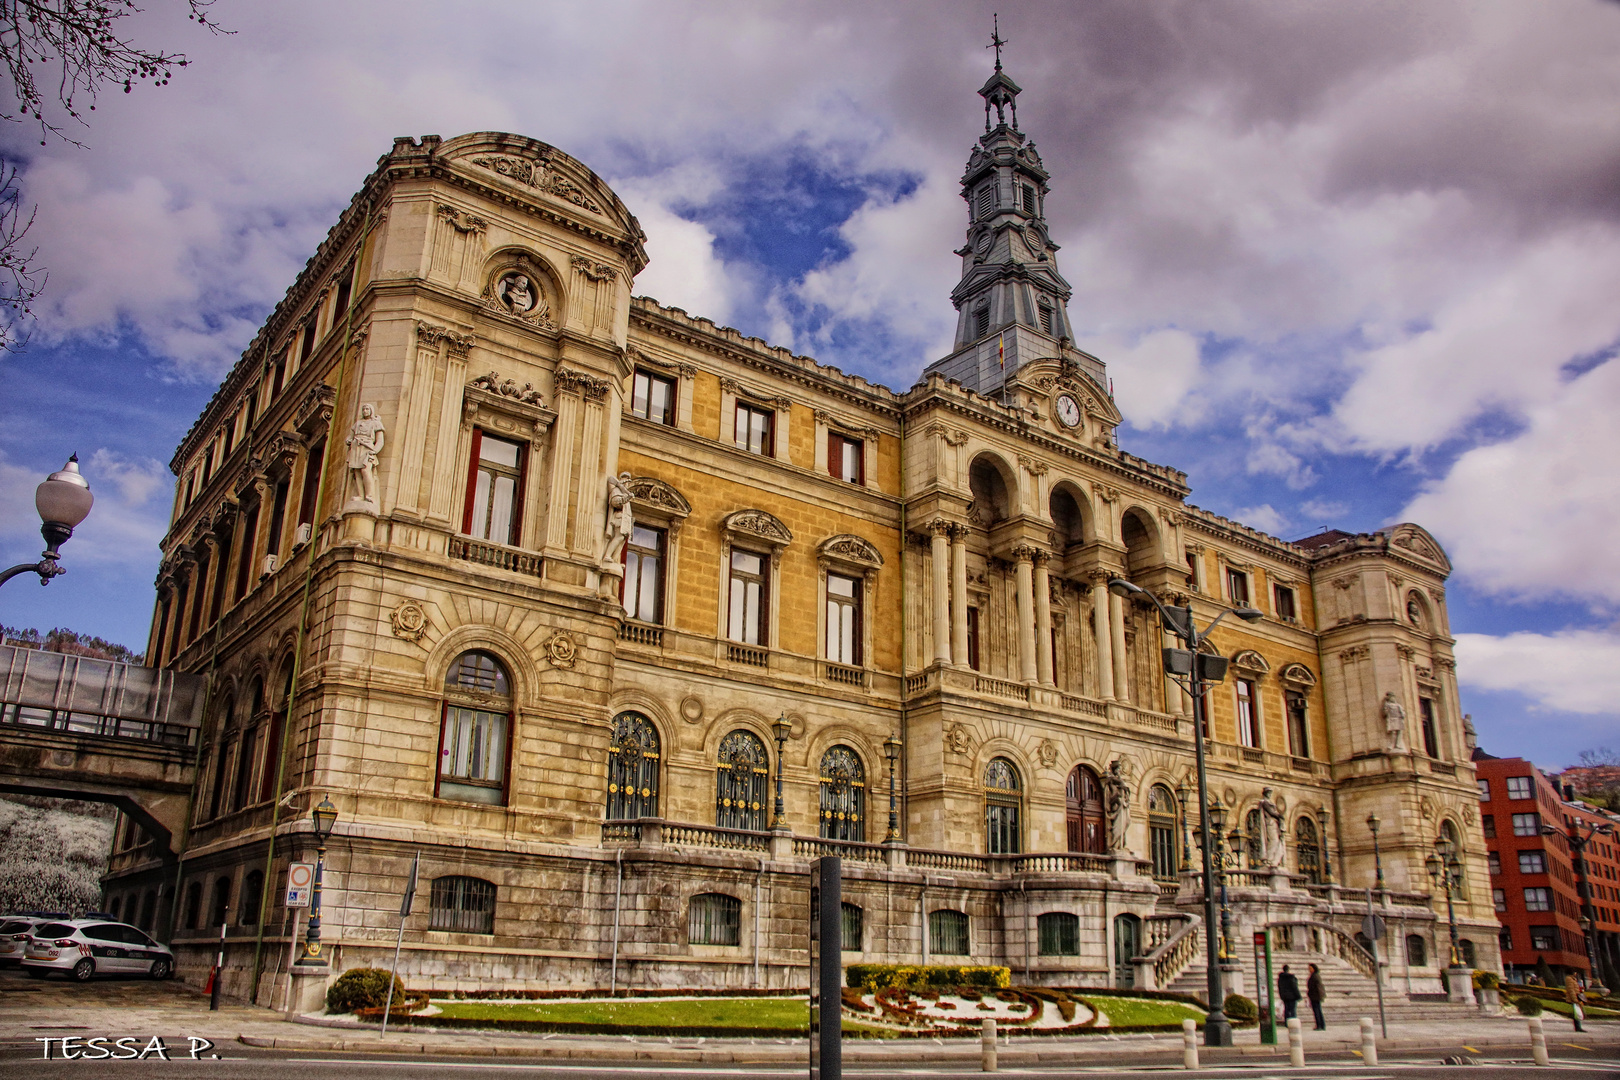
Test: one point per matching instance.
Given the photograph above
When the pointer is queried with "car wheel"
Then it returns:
(83, 970)
(37, 973)
(162, 969)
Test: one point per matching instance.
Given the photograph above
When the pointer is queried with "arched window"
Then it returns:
(850, 920)
(1059, 933)
(149, 907)
(632, 768)
(714, 919)
(1465, 950)
(1417, 952)
(1003, 801)
(247, 749)
(1088, 827)
(1307, 850)
(227, 732)
(948, 933)
(741, 775)
(247, 912)
(1448, 833)
(1161, 807)
(193, 909)
(477, 714)
(465, 905)
(843, 795)
(222, 901)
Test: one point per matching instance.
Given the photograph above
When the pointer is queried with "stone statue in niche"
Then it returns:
(1414, 612)
(365, 442)
(620, 518)
(1470, 736)
(1117, 793)
(1394, 722)
(1271, 830)
(517, 292)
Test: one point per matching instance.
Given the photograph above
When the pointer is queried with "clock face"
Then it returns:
(1068, 410)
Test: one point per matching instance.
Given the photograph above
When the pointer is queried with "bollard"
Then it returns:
(1538, 1041)
(1369, 1045)
(987, 1046)
(1296, 1044)
(1282, 1035)
(1189, 1044)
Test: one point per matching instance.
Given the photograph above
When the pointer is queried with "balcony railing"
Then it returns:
(85, 696)
(747, 654)
(642, 634)
(502, 558)
(984, 684)
(814, 847)
(843, 674)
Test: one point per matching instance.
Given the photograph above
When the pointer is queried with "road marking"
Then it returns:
(1470, 1049)
(1572, 1046)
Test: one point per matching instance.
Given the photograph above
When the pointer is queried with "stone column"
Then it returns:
(1116, 621)
(1026, 612)
(959, 605)
(1043, 620)
(567, 399)
(1105, 637)
(939, 548)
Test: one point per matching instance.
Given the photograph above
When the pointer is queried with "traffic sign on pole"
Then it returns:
(300, 879)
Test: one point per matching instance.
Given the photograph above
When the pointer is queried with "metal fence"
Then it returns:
(86, 696)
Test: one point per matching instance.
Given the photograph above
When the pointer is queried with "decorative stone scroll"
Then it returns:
(569, 380)
(409, 621)
(1298, 674)
(315, 411)
(460, 220)
(537, 175)
(758, 523)
(561, 650)
(430, 335)
(494, 384)
(655, 493)
(593, 270)
(849, 548)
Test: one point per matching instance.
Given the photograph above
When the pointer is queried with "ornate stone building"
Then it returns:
(528, 574)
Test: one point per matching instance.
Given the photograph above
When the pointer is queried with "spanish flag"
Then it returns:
(1001, 351)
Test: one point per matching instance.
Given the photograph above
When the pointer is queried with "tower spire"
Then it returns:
(996, 40)
(1000, 91)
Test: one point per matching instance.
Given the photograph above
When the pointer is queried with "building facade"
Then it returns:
(558, 587)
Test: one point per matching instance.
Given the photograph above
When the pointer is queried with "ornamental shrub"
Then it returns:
(912, 976)
(1486, 980)
(363, 988)
(1527, 1005)
(1240, 1010)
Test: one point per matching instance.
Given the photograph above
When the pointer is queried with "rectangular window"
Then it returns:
(1192, 570)
(252, 409)
(652, 397)
(1237, 586)
(1526, 824)
(345, 289)
(714, 919)
(948, 933)
(849, 928)
(1043, 312)
(1538, 899)
(1286, 608)
(1029, 198)
(987, 200)
(846, 458)
(1299, 743)
(1484, 790)
(201, 580)
(472, 755)
(1059, 933)
(1532, 862)
(312, 484)
(221, 581)
(244, 561)
(1487, 823)
(746, 621)
(278, 517)
(644, 574)
(754, 429)
(1431, 738)
(843, 620)
(279, 379)
(1518, 787)
(308, 345)
(1247, 719)
(208, 464)
(229, 436)
(494, 490)
(1499, 898)
(1544, 938)
(1495, 861)
(464, 905)
(973, 639)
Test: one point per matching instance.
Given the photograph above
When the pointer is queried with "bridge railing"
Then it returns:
(85, 696)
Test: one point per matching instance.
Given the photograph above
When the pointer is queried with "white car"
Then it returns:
(85, 948)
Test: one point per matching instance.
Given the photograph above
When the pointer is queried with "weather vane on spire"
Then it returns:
(996, 40)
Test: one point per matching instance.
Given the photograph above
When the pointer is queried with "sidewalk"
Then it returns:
(34, 1010)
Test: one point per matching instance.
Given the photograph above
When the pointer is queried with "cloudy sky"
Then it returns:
(1348, 264)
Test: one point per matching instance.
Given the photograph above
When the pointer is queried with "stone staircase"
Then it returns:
(1349, 993)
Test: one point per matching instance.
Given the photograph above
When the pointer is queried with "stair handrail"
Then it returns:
(1175, 951)
(1343, 946)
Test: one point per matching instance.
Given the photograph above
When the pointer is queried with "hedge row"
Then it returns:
(566, 1027)
(604, 992)
(915, 976)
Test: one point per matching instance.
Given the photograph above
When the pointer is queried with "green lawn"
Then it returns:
(1122, 1011)
(771, 1012)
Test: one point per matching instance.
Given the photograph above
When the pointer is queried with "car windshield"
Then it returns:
(55, 930)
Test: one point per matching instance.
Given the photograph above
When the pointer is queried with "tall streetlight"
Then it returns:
(781, 729)
(1378, 859)
(324, 817)
(63, 501)
(1583, 885)
(891, 750)
(1445, 870)
(1192, 670)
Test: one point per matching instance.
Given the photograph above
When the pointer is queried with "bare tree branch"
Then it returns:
(21, 279)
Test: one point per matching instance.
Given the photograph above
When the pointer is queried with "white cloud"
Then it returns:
(1574, 671)
(1264, 517)
(1154, 375)
(1536, 514)
(1324, 509)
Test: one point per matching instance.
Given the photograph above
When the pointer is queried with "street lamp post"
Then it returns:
(1378, 859)
(1186, 845)
(891, 750)
(63, 501)
(1324, 863)
(1197, 669)
(324, 817)
(1578, 843)
(1445, 870)
(781, 729)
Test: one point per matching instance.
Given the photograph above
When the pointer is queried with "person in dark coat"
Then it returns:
(1314, 991)
(1288, 992)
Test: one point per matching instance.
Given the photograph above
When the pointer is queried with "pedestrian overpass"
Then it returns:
(75, 727)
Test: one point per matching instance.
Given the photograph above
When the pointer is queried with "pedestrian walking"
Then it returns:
(1576, 997)
(1313, 991)
(1288, 992)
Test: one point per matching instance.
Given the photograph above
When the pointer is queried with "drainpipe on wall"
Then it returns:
(759, 876)
(618, 903)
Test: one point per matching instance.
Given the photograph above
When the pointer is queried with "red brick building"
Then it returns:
(1534, 880)
(1601, 854)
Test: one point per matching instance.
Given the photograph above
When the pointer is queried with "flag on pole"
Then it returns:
(1001, 351)
(410, 888)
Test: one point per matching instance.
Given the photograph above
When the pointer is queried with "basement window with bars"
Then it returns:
(714, 919)
(948, 933)
(1059, 933)
(464, 905)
